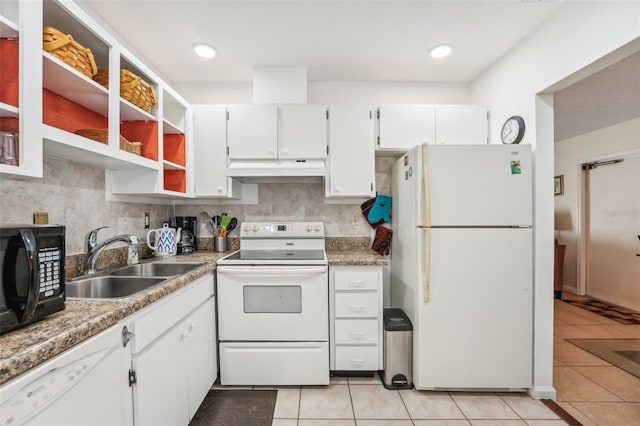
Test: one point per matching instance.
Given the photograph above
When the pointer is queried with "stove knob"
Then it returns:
(308, 228)
(247, 228)
(318, 228)
(255, 228)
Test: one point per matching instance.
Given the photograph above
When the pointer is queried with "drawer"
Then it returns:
(356, 358)
(356, 280)
(160, 316)
(356, 305)
(354, 331)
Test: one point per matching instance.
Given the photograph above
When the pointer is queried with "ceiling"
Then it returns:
(384, 41)
(605, 98)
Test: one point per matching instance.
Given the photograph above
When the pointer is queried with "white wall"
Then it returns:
(571, 39)
(361, 93)
(569, 154)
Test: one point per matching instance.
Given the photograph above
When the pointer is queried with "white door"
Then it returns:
(475, 330)
(405, 126)
(477, 185)
(302, 132)
(461, 124)
(613, 269)
(278, 303)
(161, 392)
(252, 132)
(210, 146)
(351, 152)
(197, 353)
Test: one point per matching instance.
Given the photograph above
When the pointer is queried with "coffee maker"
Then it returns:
(189, 235)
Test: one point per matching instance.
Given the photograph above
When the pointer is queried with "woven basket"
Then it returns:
(72, 53)
(132, 88)
(102, 136)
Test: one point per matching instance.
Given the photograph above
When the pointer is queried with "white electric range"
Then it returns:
(273, 306)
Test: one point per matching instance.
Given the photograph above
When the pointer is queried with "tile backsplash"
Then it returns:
(74, 195)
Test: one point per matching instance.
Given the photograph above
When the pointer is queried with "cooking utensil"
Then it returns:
(232, 224)
(214, 221)
(224, 222)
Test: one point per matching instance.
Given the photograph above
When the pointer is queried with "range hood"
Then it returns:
(273, 86)
(277, 171)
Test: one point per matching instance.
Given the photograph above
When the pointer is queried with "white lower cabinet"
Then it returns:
(355, 318)
(86, 385)
(176, 366)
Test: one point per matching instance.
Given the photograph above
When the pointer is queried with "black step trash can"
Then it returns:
(398, 350)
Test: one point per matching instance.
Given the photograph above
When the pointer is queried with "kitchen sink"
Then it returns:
(156, 269)
(109, 287)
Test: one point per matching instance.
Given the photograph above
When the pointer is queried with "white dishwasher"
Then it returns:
(77, 387)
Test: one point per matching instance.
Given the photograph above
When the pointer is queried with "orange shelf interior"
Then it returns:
(9, 124)
(9, 78)
(145, 132)
(64, 114)
(175, 180)
(174, 148)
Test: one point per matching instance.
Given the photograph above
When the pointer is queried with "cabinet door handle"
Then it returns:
(126, 336)
(337, 189)
(284, 152)
(357, 361)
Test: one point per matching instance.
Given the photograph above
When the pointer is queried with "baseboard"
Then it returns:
(542, 392)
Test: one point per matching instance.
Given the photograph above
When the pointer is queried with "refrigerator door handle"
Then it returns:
(427, 263)
(426, 199)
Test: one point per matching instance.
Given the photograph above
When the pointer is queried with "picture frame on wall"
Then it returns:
(558, 185)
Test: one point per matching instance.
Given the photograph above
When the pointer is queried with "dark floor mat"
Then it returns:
(623, 353)
(614, 312)
(236, 408)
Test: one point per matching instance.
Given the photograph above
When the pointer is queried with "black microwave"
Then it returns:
(31, 273)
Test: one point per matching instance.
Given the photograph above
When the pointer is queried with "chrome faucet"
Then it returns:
(92, 249)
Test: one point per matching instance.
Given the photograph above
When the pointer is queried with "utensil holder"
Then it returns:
(220, 244)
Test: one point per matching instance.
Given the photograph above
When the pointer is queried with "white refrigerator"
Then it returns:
(462, 264)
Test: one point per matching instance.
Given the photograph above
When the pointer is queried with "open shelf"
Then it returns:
(9, 71)
(8, 110)
(175, 181)
(170, 128)
(168, 165)
(60, 78)
(131, 112)
(145, 132)
(8, 29)
(61, 144)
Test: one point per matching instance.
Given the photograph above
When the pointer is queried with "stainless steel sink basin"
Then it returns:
(155, 269)
(108, 287)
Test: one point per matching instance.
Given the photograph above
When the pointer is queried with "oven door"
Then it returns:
(273, 303)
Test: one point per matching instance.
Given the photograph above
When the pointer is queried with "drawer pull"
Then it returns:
(356, 283)
(356, 335)
(356, 308)
(357, 362)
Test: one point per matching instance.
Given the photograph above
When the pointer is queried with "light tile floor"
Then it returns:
(590, 389)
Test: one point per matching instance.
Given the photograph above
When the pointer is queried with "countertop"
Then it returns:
(30, 346)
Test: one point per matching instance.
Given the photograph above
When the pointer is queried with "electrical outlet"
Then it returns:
(355, 218)
(40, 218)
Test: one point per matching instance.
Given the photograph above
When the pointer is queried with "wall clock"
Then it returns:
(512, 130)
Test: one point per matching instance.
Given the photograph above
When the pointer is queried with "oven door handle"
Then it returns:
(234, 270)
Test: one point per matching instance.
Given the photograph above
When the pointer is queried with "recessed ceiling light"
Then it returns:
(204, 50)
(440, 51)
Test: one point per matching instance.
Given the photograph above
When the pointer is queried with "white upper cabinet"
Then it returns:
(302, 132)
(252, 132)
(351, 152)
(401, 127)
(210, 153)
(461, 124)
(405, 126)
(267, 132)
